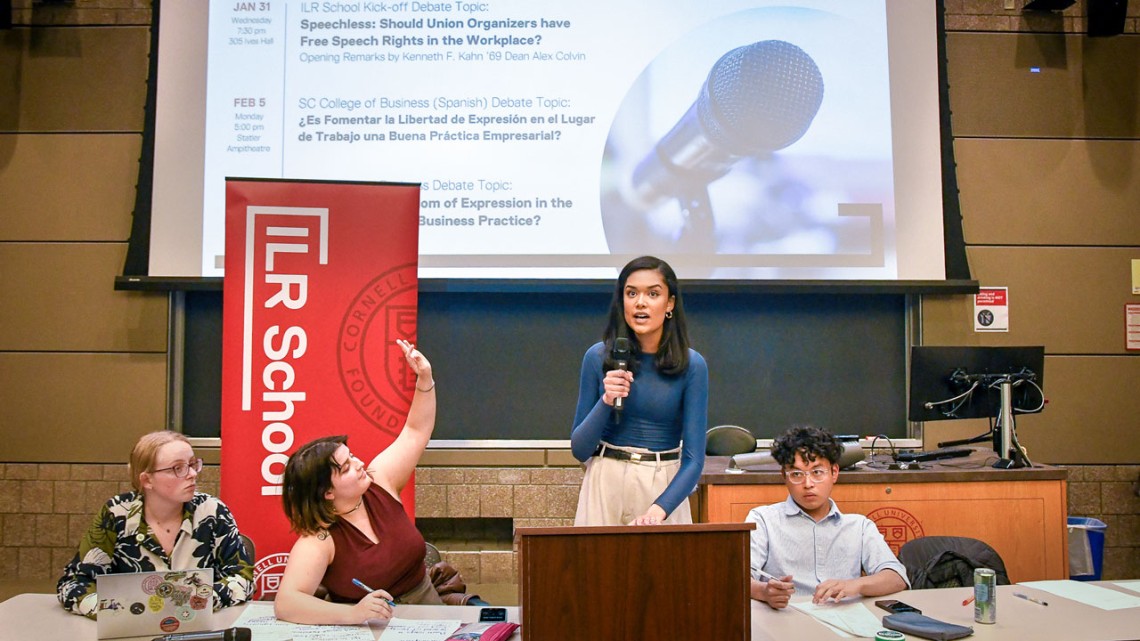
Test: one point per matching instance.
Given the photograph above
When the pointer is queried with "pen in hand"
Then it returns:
(768, 576)
(360, 584)
(1029, 598)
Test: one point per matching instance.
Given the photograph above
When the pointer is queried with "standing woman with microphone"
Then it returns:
(642, 411)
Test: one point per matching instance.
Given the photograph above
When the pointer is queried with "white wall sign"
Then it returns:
(991, 309)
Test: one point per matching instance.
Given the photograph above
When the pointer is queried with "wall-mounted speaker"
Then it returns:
(5, 14)
(1106, 17)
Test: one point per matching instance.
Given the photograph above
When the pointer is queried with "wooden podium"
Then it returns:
(625, 582)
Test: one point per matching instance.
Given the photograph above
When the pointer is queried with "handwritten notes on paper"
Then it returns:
(418, 630)
(259, 618)
(264, 626)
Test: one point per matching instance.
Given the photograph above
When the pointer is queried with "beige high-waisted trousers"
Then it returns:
(615, 492)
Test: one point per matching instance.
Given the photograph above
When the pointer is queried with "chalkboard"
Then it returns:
(507, 363)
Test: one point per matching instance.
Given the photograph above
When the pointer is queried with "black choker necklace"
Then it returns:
(358, 504)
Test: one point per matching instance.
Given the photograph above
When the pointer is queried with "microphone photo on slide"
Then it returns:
(757, 99)
(747, 143)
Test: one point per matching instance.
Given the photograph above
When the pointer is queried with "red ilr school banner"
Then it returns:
(320, 281)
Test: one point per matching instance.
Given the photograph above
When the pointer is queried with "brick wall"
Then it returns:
(45, 508)
(1111, 493)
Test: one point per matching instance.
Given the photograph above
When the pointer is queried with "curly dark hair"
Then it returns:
(809, 442)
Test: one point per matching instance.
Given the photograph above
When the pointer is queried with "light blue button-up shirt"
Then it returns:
(840, 546)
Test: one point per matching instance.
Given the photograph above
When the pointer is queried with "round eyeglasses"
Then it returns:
(182, 468)
(796, 477)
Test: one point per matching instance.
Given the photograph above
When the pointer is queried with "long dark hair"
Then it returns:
(673, 352)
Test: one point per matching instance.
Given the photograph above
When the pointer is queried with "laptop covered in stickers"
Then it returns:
(136, 604)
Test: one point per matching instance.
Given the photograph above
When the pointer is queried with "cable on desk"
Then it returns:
(871, 462)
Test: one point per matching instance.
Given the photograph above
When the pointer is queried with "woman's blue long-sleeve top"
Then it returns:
(660, 413)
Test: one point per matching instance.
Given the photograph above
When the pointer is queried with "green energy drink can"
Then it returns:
(985, 596)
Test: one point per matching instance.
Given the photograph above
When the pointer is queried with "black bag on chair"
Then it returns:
(949, 561)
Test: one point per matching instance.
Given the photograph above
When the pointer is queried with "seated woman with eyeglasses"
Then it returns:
(164, 524)
(857, 560)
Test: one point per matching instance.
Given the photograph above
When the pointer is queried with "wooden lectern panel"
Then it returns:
(1023, 520)
(620, 583)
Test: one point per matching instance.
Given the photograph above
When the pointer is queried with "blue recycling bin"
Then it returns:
(1094, 530)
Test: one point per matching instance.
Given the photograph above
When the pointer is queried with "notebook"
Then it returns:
(150, 604)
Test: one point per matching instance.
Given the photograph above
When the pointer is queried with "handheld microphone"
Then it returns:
(758, 98)
(621, 359)
(229, 634)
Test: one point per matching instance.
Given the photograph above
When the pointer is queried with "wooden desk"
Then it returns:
(39, 617)
(1017, 619)
(1021, 513)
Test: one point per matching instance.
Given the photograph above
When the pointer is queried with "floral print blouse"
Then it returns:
(119, 540)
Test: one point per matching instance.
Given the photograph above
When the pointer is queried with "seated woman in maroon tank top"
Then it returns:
(352, 525)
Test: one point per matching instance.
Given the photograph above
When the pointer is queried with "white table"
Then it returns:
(35, 617)
(1017, 619)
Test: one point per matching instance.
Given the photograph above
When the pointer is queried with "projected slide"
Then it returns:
(738, 139)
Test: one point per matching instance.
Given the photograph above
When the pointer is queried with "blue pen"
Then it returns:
(360, 584)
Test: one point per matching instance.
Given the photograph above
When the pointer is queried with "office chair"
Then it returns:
(727, 440)
(949, 561)
(250, 549)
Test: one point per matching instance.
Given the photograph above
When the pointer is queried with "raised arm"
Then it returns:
(392, 468)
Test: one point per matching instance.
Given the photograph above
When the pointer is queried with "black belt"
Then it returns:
(636, 457)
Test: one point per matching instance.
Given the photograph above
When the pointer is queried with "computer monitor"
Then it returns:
(939, 374)
(979, 382)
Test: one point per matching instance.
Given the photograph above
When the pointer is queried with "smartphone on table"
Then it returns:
(492, 614)
(896, 607)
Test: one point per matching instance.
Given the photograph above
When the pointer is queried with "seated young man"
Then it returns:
(806, 542)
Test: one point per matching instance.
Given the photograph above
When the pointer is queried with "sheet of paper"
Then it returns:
(854, 618)
(418, 630)
(1093, 595)
(264, 626)
(806, 603)
(331, 633)
(1128, 585)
